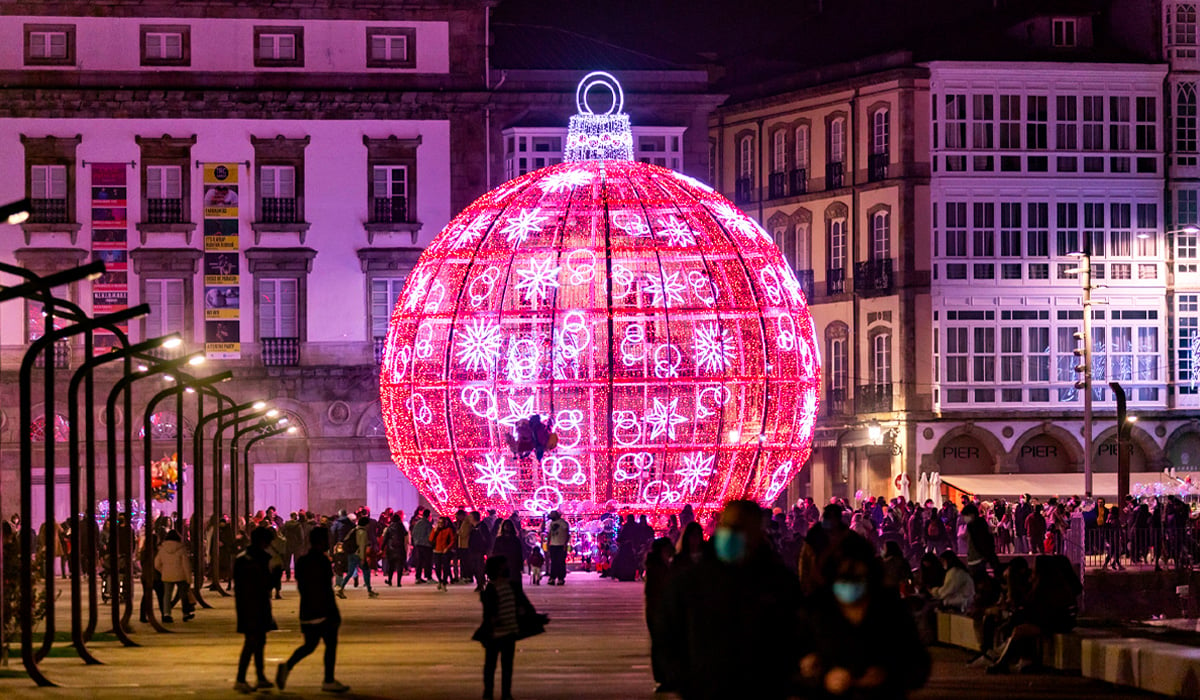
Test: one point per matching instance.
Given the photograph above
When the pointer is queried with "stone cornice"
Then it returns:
(362, 10)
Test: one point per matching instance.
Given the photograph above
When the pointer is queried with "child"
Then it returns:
(504, 608)
(536, 560)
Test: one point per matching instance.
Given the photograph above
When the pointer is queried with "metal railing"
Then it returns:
(778, 185)
(389, 210)
(280, 352)
(873, 398)
(835, 403)
(61, 353)
(835, 280)
(164, 211)
(275, 210)
(805, 278)
(798, 181)
(874, 275)
(877, 167)
(835, 175)
(743, 190)
(1161, 547)
(49, 211)
(380, 344)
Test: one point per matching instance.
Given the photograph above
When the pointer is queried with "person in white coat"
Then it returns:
(175, 568)
(958, 590)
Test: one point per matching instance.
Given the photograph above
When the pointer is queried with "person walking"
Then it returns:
(319, 616)
(656, 579)
(559, 536)
(175, 569)
(358, 547)
(395, 549)
(504, 608)
(444, 539)
(421, 530)
(508, 546)
(294, 538)
(253, 584)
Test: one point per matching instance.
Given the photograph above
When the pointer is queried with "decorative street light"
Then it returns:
(262, 425)
(281, 428)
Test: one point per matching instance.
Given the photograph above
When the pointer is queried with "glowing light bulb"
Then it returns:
(173, 342)
(197, 360)
(260, 405)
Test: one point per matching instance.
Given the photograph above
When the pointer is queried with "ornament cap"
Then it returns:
(606, 136)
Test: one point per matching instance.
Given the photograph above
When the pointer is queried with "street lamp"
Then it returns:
(1084, 353)
(16, 212)
(261, 426)
(281, 427)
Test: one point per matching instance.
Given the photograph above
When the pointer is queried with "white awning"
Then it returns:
(1043, 485)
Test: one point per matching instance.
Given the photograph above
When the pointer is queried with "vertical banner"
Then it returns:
(110, 244)
(222, 263)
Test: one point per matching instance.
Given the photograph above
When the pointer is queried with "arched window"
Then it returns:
(879, 132)
(837, 140)
(839, 374)
(837, 244)
(881, 236)
(789, 248)
(779, 151)
(1183, 33)
(881, 359)
(803, 246)
(802, 147)
(746, 157)
(1185, 118)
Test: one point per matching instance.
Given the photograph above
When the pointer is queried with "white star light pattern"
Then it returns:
(518, 410)
(667, 290)
(714, 348)
(677, 233)
(524, 224)
(695, 472)
(417, 292)
(538, 280)
(565, 180)
(735, 220)
(479, 345)
(467, 234)
(496, 476)
(663, 418)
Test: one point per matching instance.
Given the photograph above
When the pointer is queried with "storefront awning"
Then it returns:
(1043, 485)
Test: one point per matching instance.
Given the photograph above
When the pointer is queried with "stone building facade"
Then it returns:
(348, 134)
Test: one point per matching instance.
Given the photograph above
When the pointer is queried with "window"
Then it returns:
(983, 355)
(166, 45)
(881, 236)
(391, 47)
(1186, 244)
(1118, 129)
(881, 359)
(1093, 227)
(1147, 230)
(1067, 229)
(1066, 115)
(1010, 121)
(981, 121)
(48, 182)
(1185, 122)
(1012, 358)
(956, 121)
(49, 44)
(277, 182)
(1120, 237)
(879, 132)
(1037, 116)
(802, 146)
(838, 366)
(279, 47)
(1187, 349)
(384, 293)
(837, 244)
(1147, 124)
(956, 229)
(166, 202)
(278, 308)
(167, 304)
(389, 189)
(837, 140)
(163, 182)
(779, 151)
(746, 158)
(1181, 30)
(957, 352)
(1064, 33)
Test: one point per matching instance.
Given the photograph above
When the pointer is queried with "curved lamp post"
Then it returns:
(26, 440)
(279, 424)
(219, 455)
(182, 384)
(281, 429)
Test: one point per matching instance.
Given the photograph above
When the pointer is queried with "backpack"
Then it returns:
(350, 544)
(934, 528)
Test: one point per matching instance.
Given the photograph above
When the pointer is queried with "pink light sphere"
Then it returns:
(655, 324)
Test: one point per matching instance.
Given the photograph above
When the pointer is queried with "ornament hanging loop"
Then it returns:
(599, 78)
(592, 136)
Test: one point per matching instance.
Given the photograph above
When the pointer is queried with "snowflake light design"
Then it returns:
(566, 180)
(667, 290)
(496, 476)
(697, 467)
(479, 345)
(538, 279)
(677, 233)
(714, 348)
(525, 224)
(734, 220)
(416, 292)
(518, 411)
(663, 418)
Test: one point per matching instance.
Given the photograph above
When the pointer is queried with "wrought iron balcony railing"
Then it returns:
(835, 175)
(280, 352)
(877, 167)
(873, 398)
(164, 211)
(389, 210)
(49, 211)
(874, 275)
(835, 280)
(798, 181)
(276, 210)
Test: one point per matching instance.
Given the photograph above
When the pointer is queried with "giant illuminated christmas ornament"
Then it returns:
(651, 324)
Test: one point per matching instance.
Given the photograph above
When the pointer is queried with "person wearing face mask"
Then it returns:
(842, 629)
(731, 621)
(690, 549)
(981, 544)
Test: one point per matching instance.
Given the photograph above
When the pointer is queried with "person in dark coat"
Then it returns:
(731, 622)
(319, 616)
(981, 544)
(508, 545)
(253, 582)
(395, 549)
(658, 576)
(504, 606)
(1035, 528)
(845, 626)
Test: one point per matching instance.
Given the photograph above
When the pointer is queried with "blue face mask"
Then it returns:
(849, 592)
(730, 545)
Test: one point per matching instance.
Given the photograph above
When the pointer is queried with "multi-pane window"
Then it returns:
(779, 151)
(1187, 250)
(1067, 229)
(166, 300)
(881, 359)
(164, 182)
(389, 192)
(981, 121)
(1066, 112)
(524, 153)
(957, 352)
(1036, 117)
(1187, 347)
(1010, 121)
(1093, 228)
(1147, 124)
(277, 182)
(838, 365)
(384, 293)
(164, 46)
(1146, 237)
(1185, 120)
(746, 157)
(837, 140)
(389, 47)
(881, 236)
(1064, 33)
(1120, 235)
(802, 146)
(956, 230)
(1012, 357)
(48, 45)
(837, 244)
(1182, 29)
(278, 308)
(1118, 123)
(983, 238)
(276, 47)
(1093, 123)
(48, 182)
(879, 132)
(956, 121)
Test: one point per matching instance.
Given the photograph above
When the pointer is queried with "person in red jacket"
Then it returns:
(444, 539)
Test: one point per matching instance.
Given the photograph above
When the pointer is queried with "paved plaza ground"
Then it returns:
(414, 642)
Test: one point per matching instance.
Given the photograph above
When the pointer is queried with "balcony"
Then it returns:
(278, 210)
(873, 398)
(798, 181)
(164, 211)
(877, 167)
(835, 175)
(380, 344)
(805, 277)
(280, 352)
(61, 355)
(874, 276)
(835, 280)
(778, 185)
(743, 191)
(835, 403)
(389, 210)
(49, 211)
